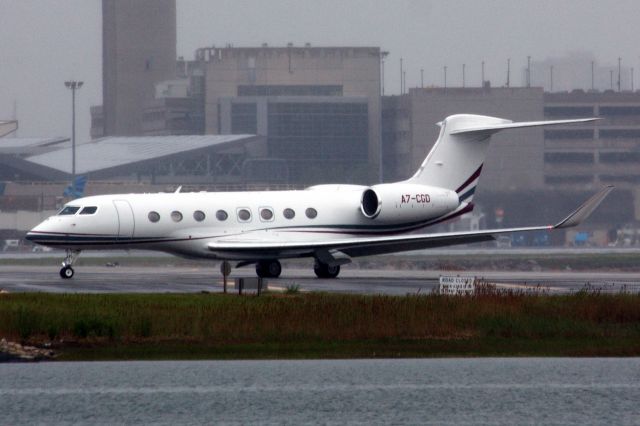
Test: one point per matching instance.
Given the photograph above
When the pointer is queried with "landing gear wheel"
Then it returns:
(323, 270)
(66, 272)
(269, 269)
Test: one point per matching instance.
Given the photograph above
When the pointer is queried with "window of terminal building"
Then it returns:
(308, 132)
(569, 111)
(619, 110)
(568, 157)
(619, 133)
(620, 157)
(630, 178)
(244, 118)
(290, 90)
(569, 179)
(569, 134)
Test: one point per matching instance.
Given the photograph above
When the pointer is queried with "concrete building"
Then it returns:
(516, 158)
(594, 154)
(138, 51)
(319, 107)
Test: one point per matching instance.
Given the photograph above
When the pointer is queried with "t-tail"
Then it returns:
(456, 159)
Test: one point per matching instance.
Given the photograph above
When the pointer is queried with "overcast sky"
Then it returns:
(43, 43)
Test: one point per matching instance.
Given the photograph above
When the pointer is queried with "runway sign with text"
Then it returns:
(456, 285)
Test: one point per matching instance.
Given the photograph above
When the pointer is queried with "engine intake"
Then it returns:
(370, 204)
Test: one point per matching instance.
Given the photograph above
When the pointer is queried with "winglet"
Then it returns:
(583, 212)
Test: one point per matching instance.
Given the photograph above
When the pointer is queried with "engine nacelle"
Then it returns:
(399, 202)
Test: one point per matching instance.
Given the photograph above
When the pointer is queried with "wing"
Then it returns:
(242, 247)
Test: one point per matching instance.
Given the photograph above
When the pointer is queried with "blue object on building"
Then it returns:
(76, 188)
(581, 238)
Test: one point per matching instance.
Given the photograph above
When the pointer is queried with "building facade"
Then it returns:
(590, 155)
(319, 107)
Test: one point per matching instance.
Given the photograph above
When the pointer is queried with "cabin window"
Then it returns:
(221, 215)
(69, 210)
(311, 213)
(289, 213)
(199, 215)
(176, 216)
(244, 215)
(266, 214)
(89, 210)
(154, 217)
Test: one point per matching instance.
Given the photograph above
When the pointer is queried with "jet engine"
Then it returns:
(399, 202)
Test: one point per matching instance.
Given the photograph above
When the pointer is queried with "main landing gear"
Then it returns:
(67, 265)
(323, 270)
(268, 269)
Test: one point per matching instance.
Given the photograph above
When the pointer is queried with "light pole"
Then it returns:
(73, 85)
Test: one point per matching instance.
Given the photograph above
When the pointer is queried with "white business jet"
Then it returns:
(331, 223)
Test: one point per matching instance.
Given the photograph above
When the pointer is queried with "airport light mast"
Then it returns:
(73, 85)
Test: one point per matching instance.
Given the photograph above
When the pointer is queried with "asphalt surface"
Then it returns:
(159, 279)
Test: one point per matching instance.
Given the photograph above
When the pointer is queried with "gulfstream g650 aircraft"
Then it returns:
(331, 223)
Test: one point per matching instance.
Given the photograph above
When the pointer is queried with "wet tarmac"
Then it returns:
(160, 279)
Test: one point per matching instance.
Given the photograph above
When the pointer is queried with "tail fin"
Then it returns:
(456, 159)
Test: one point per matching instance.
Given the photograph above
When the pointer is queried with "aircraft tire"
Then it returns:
(66, 272)
(269, 269)
(325, 271)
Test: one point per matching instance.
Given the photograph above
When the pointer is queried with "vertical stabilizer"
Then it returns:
(455, 161)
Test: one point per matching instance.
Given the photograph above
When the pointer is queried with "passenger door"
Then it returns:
(126, 224)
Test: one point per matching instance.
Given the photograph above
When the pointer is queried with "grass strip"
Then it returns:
(322, 325)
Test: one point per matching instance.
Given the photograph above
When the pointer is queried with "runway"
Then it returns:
(159, 279)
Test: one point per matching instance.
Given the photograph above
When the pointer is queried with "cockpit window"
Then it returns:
(89, 210)
(69, 210)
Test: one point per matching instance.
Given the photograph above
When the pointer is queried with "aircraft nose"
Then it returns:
(32, 236)
(36, 234)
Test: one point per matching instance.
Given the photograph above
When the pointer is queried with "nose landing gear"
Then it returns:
(67, 265)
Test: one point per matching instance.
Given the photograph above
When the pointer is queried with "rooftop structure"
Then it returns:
(185, 159)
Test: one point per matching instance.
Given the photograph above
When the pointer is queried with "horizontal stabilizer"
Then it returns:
(585, 210)
(492, 128)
